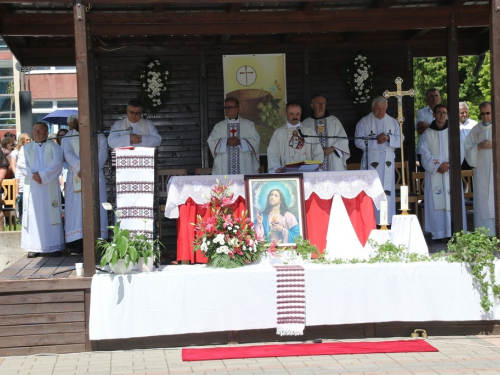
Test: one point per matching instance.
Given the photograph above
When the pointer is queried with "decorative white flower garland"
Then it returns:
(154, 80)
(359, 74)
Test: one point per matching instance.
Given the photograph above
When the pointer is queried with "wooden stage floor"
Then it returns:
(41, 268)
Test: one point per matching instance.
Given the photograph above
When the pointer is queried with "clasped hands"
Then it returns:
(382, 138)
(233, 141)
(484, 145)
(135, 138)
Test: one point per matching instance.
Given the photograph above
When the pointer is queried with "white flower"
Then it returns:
(118, 213)
(107, 206)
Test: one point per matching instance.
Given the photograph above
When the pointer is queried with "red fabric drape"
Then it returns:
(186, 233)
(359, 209)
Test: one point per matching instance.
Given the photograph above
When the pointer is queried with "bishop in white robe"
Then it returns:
(385, 138)
(41, 164)
(134, 130)
(478, 153)
(435, 159)
(287, 146)
(327, 126)
(73, 226)
(234, 143)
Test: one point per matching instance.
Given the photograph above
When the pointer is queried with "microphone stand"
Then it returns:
(366, 139)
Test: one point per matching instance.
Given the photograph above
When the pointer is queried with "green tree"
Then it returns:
(431, 72)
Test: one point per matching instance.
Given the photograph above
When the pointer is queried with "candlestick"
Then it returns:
(404, 197)
(384, 213)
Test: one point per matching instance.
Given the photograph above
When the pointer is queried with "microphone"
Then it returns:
(300, 133)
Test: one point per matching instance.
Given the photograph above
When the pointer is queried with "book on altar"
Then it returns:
(302, 166)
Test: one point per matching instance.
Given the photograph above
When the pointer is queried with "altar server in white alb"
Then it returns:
(336, 150)
(234, 143)
(287, 146)
(41, 164)
(478, 153)
(435, 159)
(73, 227)
(385, 139)
(133, 130)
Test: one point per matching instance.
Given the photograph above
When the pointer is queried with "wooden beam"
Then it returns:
(309, 6)
(84, 51)
(495, 102)
(384, 4)
(234, 8)
(414, 34)
(454, 131)
(124, 24)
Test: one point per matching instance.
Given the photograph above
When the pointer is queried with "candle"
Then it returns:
(384, 213)
(404, 197)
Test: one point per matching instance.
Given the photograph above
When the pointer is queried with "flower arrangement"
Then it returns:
(153, 78)
(358, 75)
(227, 241)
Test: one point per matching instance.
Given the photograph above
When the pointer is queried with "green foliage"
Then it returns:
(431, 72)
(478, 250)
(121, 247)
(305, 249)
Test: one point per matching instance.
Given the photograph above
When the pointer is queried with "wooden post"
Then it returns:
(88, 147)
(204, 111)
(306, 86)
(453, 127)
(495, 101)
(409, 131)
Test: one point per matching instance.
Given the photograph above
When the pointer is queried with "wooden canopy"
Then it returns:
(94, 36)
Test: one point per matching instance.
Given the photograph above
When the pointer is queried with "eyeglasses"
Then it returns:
(135, 113)
(485, 113)
(230, 107)
(441, 113)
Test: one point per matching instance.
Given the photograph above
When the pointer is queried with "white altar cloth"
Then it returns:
(348, 184)
(405, 230)
(194, 299)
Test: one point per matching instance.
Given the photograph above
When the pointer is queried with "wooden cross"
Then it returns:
(399, 96)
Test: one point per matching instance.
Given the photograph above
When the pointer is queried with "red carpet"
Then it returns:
(291, 350)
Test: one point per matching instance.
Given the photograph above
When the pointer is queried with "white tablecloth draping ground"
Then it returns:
(194, 299)
(347, 184)
(405, 230)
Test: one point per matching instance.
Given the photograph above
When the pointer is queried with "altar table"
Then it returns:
(196, 299)
(350, 224)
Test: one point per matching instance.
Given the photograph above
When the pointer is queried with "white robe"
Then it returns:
(381, 157)
(482, 161)
(466, 127)
(248, 149)
(333, 128)
(73, 226)
(278, 149)
(40, 235)
(144, 128)
(426, 115)
(434, 151)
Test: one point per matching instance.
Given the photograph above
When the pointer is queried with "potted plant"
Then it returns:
(147, 250)
(124, 250)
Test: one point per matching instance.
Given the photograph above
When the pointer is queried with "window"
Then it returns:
(7, 106)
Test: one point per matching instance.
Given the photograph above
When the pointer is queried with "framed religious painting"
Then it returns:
(275, 204)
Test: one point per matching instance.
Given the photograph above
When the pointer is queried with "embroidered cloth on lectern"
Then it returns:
(290, 300)
(135, 173)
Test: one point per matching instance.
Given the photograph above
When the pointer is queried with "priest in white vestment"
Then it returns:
(133, 130)
(478, 153)
(287, 146)
(73, 226)
(466, 123)
(234, 143)
(383, 130)
(435, 159)
(336, 150)
(41, 164)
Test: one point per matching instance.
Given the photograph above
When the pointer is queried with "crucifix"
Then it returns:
(399, 95)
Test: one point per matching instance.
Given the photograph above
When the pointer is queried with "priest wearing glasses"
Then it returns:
(133, 130)
(234, 143)
(478, 152)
